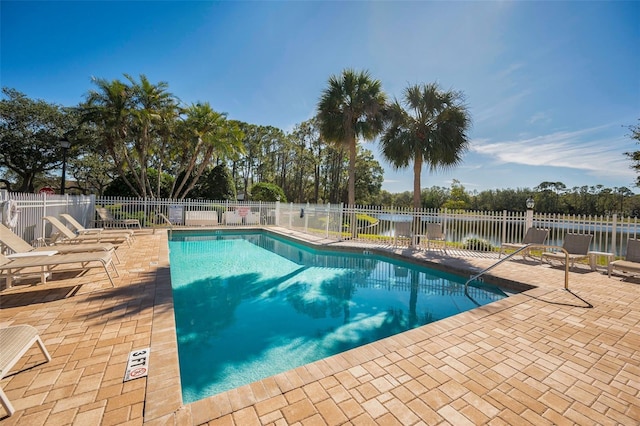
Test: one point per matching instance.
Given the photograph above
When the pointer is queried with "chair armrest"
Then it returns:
(90, 231)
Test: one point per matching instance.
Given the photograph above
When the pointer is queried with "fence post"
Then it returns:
(92, 210)
(529, 219)
(614, 232)
(503, 236)
(444, 220)
(340, 223)
(306, 219)
(290, 214)
(277, 218)
(328, 219)
(44, 213)
(146, 210)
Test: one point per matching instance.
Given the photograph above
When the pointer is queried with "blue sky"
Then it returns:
(551, 86)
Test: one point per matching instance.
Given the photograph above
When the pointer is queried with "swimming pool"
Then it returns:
(249, 305)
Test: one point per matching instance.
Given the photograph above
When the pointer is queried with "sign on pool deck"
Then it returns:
(138, 364)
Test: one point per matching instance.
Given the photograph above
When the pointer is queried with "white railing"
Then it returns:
(380, 226)
(33, 207)
(190, 212)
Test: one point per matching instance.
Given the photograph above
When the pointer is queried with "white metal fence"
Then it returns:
(382, 226)
(33, 207)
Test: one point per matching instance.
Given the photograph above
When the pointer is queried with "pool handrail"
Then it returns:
(509, 256)
(166, 219)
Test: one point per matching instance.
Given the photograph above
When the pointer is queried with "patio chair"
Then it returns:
(631, 262)
(69, 237)
(8, 239)
(403, 229)
(533, 236)
(45, 262)
(252, 218)
(15, 341)
(81, 230)
(401, 232)
(577, 245)
(435, 235)
(231, 217)
(108, 221)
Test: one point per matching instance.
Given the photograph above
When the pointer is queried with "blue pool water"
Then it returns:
(251, 305)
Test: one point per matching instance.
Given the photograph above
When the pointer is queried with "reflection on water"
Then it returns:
(249, 306)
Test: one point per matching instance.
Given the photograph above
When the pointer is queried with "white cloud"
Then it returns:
(509, 71)
(503, 108)
(540, 117)
(583, 150)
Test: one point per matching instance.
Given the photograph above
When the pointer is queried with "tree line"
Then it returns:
(548, 197)
(134, 139)
(131, 137)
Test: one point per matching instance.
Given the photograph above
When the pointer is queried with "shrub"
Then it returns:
(263, 191)
(477, 244)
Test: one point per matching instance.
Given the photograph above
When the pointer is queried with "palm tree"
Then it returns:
(208, 132)
(109, 108)
(155, 106)
(431, 130)
(351, 106)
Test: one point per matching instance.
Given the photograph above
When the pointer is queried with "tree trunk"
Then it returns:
(352, 186)
(205, 161)
(190, 167)
(417, 225)
(417, 170)
(316, 184)
(7, 184)
(352, 171)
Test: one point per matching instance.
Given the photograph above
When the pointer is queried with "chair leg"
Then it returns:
(44, 350)
(6, 404)
(44, 273)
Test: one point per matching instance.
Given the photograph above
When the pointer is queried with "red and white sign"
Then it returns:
(138, 364)
(243, 211)
(138, 372)
(46, 190)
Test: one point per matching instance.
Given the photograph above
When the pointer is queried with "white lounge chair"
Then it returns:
(108, 221)
(15, 341)
(17, 245)
(45, 262)
(201, 218)
(231, 217)
(252, 218)
(533, 236)
(81, 230)
(70, 237)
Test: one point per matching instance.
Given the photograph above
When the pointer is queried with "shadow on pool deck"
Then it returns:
(546, 356)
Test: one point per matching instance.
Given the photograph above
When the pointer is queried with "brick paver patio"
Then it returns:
(545, 356)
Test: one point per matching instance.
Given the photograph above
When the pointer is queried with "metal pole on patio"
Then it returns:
(529, 217)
